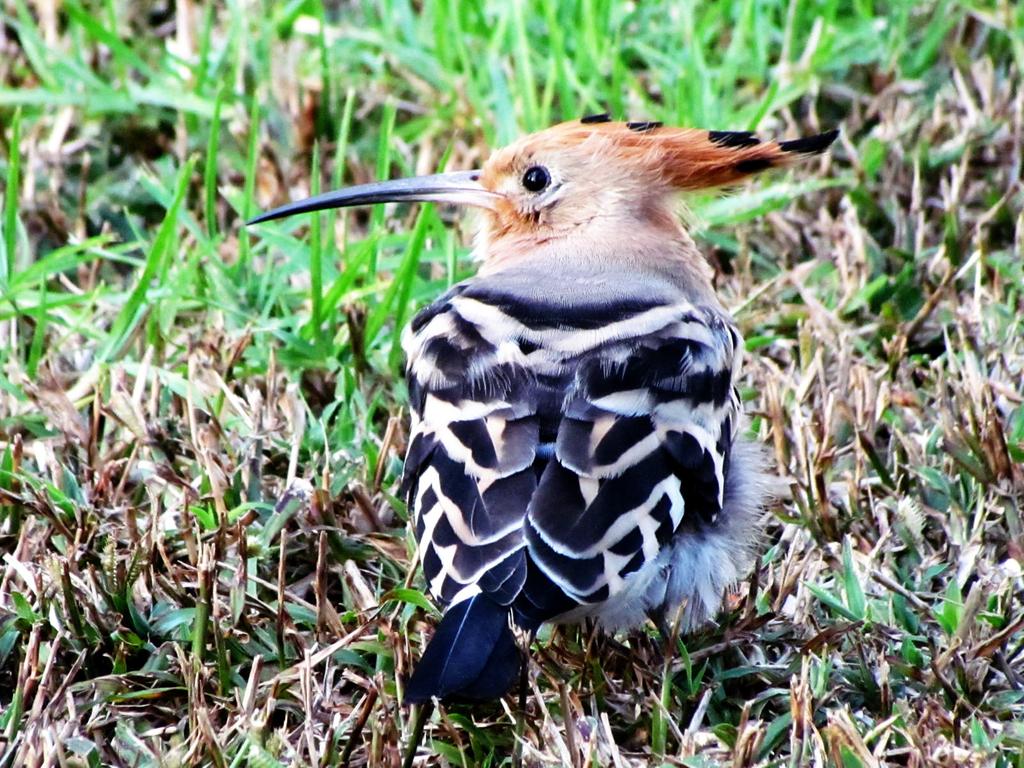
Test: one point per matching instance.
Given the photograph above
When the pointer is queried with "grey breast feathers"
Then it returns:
(557, 448)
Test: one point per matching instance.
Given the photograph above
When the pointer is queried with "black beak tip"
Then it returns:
(259, 219)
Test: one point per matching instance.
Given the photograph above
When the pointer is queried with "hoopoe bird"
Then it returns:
(576, 447)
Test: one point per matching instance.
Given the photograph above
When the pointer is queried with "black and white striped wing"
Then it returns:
(469, 468)
(555, 452)
(641, 452)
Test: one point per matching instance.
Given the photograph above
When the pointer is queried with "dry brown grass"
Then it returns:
(203, 562)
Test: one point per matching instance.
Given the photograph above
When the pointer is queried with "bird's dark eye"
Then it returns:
(536, 178)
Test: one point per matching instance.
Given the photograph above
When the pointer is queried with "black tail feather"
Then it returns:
(472, 655)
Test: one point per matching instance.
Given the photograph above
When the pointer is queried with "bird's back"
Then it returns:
(568, 435)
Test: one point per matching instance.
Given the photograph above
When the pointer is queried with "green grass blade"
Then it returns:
(10, 221)
(134, 308)
(210, 168)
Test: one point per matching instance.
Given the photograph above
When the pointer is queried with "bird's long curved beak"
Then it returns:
(461, 187)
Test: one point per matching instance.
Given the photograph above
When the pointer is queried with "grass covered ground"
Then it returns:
(201, 427)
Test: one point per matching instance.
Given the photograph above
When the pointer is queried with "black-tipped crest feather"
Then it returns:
(733, 138)
(810, 145)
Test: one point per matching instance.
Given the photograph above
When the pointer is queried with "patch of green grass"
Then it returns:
(201, 425)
